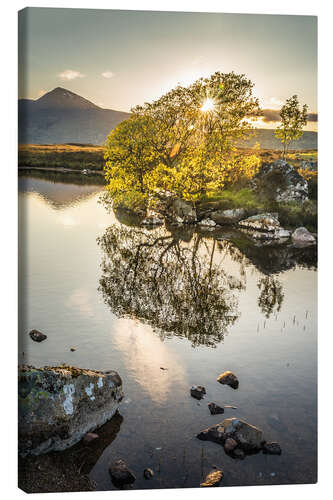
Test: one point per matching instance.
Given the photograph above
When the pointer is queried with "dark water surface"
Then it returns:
(194, 303)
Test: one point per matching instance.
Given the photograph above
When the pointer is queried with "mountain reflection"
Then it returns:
(179, 288)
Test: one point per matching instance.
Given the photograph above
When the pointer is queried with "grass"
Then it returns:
(291, 215)
(74, 156)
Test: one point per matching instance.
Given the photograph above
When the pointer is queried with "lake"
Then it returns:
(168, 308)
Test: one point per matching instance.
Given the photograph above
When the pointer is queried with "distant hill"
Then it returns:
(267, 140)
(61, 116)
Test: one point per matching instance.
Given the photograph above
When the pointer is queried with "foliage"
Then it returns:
(293, 119)
(173, 144)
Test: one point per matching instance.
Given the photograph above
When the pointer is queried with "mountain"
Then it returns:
(60, 116)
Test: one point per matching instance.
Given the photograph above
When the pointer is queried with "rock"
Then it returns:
(266, 222)
(59, 405)
(89, 437)
(207, 223)
(148, 473)
(272, 448)
(281, 182)
(247, 437)
(213, 478)
(215, 409)
(152, 219)
(182, 211)
(37, 336)
(72, 349)
(278, 234)
(226, 217)
(301, 236)
(238, 453)
(229, 445)
(309, 165)
(197, 391)
(228, 378)
(121, 474)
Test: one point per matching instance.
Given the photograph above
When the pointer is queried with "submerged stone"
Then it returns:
(215, 409)
(148, 473)
(121, 474)
(272, 448)
(247, 437)
(59, 405)
(37, 336)
(213, 478)
(228, 378)
(197, 391)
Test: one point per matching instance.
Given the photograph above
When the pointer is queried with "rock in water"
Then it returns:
(182, 211)
(121, 474)
(197, 391)
(301, 236)
(213, 478)
(227, 217)
(266, 222)
(152, 219)
(207, 223)
(215, 409)
(229, 445)
(247, 437)
(59, 405)
(281, 181)
(148, 473)
(37, 336)
(228, 378)
(271, 448)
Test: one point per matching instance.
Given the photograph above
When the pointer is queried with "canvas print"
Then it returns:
(167, 175)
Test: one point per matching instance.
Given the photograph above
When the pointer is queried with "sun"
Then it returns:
(208, 105)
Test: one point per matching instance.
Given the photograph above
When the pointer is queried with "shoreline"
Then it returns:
(62, 170)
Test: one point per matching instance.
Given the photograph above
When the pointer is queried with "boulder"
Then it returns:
(213, 478)
(182, 211)
(227, 217)
(120, 473)
(215, 409)
(278, 234)
(228, 378)
(247, 437)
(152, 219)
(37, 336)
(271, 448)
(281, 182)
(266, 222)
(59, 405)
(301, 236)
(197, 391)
(207, 223)
(229, 445)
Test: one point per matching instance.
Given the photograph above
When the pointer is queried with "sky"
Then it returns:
(118, 59)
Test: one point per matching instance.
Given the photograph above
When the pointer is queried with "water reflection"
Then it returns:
(180, 289)
(176, 280)
(271, 295)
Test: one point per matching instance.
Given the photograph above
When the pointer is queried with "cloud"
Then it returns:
(70, 74)
(108, 74)
(273, 115)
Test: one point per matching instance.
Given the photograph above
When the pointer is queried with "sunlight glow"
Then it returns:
(208, 105)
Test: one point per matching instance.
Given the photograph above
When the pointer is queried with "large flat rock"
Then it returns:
(59, 405)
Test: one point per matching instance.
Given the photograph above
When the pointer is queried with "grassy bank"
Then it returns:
(291, 214)
(73, 156)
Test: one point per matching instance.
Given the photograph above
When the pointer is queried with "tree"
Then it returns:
(293, 119)
(183, 142)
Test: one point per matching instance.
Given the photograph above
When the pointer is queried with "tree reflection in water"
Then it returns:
(271, 295)
(178, 288)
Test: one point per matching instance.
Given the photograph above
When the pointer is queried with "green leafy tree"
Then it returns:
(183, 142)
(293, 119)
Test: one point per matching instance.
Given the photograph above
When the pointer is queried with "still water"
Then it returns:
(195, 304)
